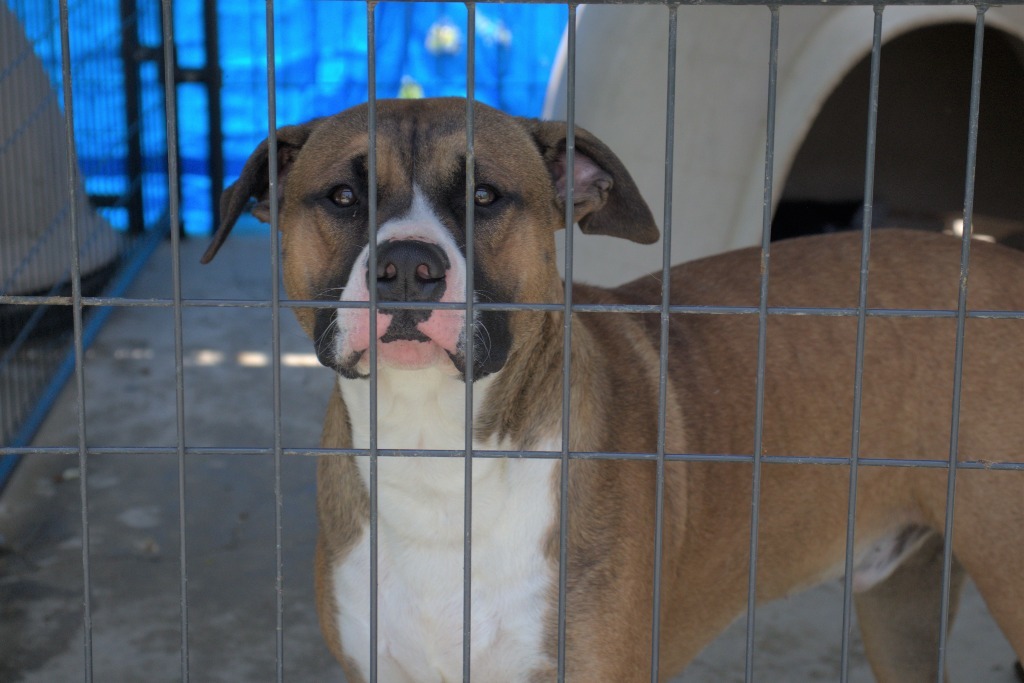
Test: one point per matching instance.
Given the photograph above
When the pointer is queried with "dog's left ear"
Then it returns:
(605, 199)
(254, 182)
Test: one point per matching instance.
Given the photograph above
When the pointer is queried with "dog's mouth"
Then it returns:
(401, 354)
(427, 339)
(404, 346)
(406, 340)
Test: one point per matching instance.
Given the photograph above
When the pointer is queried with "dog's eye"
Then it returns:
(485, 195)
(343, 196)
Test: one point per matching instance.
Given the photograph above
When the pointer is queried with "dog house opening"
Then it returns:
(921, 154)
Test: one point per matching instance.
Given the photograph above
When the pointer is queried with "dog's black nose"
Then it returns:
(410, 270)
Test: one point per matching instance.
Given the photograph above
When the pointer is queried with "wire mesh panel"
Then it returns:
(116, 191)
(763, 317)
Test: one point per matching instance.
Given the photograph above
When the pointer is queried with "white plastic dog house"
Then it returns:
(821, 118)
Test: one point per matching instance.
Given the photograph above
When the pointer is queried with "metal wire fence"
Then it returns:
(79, 302)
(40, 199)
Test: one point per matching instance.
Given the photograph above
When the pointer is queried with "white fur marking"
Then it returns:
(879, 560)
(420, 541)
(419, 223)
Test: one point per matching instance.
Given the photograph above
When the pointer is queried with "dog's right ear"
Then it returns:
(254, 182)
(606, 200)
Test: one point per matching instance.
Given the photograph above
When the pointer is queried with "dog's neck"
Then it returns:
(518, 408)
(420, 542)
(525, 405)
(421, 497)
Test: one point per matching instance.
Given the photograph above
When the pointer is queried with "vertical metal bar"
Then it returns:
(961, 317)
(132, 111)
(762, 335)
(467, 556)
(212, 79)
(371, 69)
(666, 280)
(862, 303)
(23, 379)
(173, 198)
(76, 312)
(563, 513)
(169, 76)
(275, 319)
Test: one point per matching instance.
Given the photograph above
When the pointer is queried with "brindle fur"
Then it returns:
(808, 399)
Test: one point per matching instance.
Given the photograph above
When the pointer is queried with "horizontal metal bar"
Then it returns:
(761, 3)
(147, 451)
(457, 306)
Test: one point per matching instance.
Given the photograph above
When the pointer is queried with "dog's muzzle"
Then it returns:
(416, 271)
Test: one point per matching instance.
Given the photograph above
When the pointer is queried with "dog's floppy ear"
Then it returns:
(605, 199)
(255, 182)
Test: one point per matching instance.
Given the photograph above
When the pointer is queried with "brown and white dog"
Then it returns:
(517, 367)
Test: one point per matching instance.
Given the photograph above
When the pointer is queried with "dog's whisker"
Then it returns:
(323, 335)
(483, 336)
(330, 290)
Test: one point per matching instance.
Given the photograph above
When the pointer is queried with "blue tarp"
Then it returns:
(321, 68)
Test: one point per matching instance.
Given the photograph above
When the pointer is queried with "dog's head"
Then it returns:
(520, 189)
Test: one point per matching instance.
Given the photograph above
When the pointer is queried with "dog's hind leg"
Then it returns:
(987, 539)
(899, 617)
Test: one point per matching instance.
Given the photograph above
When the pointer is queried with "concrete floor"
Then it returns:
(133, 514)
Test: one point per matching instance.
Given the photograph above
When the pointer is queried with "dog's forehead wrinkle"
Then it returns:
(417, 147)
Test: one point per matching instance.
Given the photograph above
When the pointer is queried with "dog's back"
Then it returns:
(907, 407)
(908, 361)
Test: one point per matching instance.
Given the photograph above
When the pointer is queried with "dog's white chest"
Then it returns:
(420, 550)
